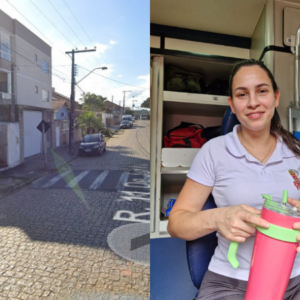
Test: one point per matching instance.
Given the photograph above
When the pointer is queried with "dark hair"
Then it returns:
(276, 128)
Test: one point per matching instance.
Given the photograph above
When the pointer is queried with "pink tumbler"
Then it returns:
(274, 251)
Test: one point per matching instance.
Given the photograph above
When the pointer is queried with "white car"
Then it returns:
(128, 118)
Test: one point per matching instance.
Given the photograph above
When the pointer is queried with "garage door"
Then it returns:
(32, 136)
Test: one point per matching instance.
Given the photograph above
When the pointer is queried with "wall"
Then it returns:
(29, 74)
(13, 144)
(58, 115)
(284, 65)
(106, 116)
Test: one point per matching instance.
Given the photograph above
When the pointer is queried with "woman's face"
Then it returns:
(253, 99)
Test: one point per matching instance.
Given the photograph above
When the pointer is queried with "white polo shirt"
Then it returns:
(237, 177)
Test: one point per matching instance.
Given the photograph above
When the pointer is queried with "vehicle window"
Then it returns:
(91, 138)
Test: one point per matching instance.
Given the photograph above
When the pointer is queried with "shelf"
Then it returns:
(163, 226)
(177, 157)
(195, 98)
(194, 104)
(179, 170)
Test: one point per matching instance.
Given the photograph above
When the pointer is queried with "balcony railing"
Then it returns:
(5, 96)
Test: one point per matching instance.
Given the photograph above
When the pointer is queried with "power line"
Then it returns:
(52, 23)
(31, 23)
(24, 52)
(68, 26)
(50, 72)
(82, 28)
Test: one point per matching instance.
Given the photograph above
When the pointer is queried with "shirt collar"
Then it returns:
(235, 147)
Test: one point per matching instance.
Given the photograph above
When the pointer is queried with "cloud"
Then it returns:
(120, 75)
(112, 42)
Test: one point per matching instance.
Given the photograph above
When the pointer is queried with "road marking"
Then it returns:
(140, 241)
(132, 242)
(55, 179)
(124, 177)
(76, 180)
(98, 181)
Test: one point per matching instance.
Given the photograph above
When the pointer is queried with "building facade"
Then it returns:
(25, 89)
(61, 108)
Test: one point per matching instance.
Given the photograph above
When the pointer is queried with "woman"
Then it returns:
(237, 168)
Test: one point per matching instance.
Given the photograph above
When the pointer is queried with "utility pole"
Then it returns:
(124, 101)
(72, 98)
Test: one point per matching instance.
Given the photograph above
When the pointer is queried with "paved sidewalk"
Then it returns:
(34, 167)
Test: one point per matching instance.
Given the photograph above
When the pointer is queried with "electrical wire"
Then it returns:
(24, 52)
(52, 23)
(83, 30)
(32, 24)
(50, 71)
(68, 26)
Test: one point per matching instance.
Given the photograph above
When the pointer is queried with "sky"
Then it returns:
(120, 31)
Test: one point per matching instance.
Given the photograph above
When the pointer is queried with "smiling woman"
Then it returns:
(260, 151)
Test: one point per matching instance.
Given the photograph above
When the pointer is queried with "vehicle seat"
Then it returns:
(200, 251)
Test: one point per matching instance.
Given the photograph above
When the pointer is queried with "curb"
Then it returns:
(19, 186)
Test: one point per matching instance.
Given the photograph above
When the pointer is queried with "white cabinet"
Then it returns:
(169, 166)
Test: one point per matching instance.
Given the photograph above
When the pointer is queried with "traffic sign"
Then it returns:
(45, 124)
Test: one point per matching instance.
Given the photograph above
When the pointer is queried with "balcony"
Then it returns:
(5, 96)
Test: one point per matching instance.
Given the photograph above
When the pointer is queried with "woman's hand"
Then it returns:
(295, 203)
(236, 223)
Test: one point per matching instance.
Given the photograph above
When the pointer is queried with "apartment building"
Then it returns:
(25, 91)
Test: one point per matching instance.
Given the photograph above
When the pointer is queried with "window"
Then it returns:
(5, 44)
(45, 66)
(5, 84)
(34, 57)
(36, 89)
(62, 114)
(45, 95)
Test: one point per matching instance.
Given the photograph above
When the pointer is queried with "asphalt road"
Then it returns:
(82, 232)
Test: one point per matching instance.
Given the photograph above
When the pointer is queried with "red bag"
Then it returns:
(186, 135)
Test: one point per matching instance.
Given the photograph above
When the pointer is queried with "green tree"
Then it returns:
(146, 103)
(89, 122)
(93, 102)
(128, 111)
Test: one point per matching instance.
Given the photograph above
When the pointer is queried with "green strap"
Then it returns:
(280, 233)
(274, 231)
(231, 255)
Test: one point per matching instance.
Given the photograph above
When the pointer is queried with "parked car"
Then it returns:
(133, 118)
(92, 144)
(125, 124)
(127, 118)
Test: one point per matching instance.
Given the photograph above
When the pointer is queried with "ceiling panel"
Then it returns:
(234, 17)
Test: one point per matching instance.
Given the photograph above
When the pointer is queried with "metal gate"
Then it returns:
(3, 146)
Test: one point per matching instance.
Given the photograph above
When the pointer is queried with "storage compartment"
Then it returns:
(176, 107)
(174, 113)
(211, 68)
(171, 185)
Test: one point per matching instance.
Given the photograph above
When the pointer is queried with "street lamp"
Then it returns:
(101, 68)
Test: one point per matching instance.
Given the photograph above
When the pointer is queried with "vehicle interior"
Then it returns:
(206, 37)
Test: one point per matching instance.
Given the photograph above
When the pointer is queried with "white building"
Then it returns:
(25, 91)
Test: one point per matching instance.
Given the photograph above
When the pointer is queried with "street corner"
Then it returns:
(131, 242)
(10, 184)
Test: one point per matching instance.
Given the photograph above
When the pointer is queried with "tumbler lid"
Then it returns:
(280, 207)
